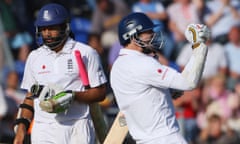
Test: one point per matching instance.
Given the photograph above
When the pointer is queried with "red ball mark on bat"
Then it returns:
(43, 66)
(159, 71)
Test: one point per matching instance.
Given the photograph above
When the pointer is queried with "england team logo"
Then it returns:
(46, 15)
(70, 65)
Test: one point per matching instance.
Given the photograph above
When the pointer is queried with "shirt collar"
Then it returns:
(69, 45)
(125, 51)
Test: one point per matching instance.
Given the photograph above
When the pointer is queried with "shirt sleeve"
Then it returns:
(28, 77)
(95, 69)
(155, 74)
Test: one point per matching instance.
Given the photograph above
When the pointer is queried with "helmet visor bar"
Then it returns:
(155, 43)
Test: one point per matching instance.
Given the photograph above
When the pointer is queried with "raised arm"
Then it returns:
(197, 34)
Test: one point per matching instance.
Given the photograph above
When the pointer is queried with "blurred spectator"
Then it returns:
(8, 18)
(3, 111)
(154, 10)
(21, 60)
(20, 49)
(113, 53)
(6, 58)
(3, 105)
(233, 122)
(94, 40)
(233, 51)
(21, 39)
(222, 17)
(166, 3)
(214, 134)
(14, 96)
(22, 15)
(80, 23)
(181, 13)
(105, 19)
(2, 61)
(186, 111)
(218, 95)
(12, 89)
(80, 27)
(16, 24)
(213, 100)
(216, 61)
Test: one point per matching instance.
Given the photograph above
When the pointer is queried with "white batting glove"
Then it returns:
(54, 99)
(57, 103)
(49, 91)
(197, 33)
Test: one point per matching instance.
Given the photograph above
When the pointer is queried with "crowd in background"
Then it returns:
(208, 114)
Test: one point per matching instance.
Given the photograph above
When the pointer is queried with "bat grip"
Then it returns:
(82, 70)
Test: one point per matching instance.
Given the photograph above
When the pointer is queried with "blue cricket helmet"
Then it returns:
(49, 15)
(52, 14)
(134, 24)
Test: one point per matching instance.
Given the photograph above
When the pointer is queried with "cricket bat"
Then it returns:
(95, 109)
(118, 131)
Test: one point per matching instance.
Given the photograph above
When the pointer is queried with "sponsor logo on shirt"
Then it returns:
(44, 70)
(159, 71)
(164, 74)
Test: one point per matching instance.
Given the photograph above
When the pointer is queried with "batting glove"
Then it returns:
(49, 91)
(176, 93)
(197, 33)
(58, 103)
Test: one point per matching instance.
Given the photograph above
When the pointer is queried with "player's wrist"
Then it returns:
(20, 134)
(79, 95)
(21, 128)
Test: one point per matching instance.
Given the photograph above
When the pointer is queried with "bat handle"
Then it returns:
(87, 87)
(82, 70)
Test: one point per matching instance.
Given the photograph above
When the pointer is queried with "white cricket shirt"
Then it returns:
(45, 67)
(140, 84)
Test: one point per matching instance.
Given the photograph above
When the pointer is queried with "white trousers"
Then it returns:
(69, 132)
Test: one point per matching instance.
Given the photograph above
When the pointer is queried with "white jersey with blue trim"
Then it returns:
(140, 84)
(45, 66)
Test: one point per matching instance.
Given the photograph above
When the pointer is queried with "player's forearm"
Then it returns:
(173, 27)
(194, 68)
(24, 117)
(20, 134)
(234, 12)
(197, 35)
(91, 95)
